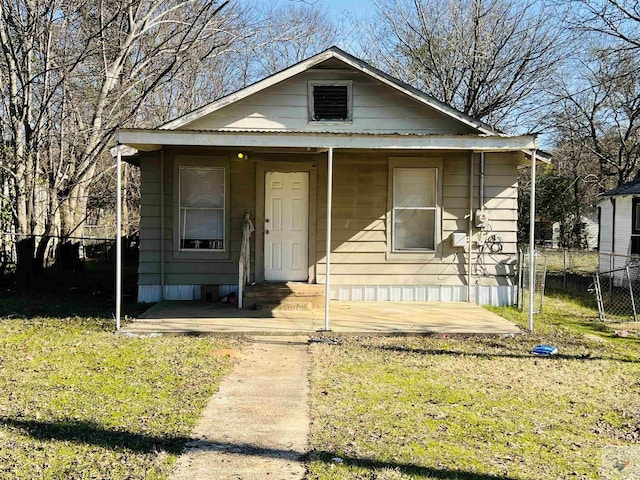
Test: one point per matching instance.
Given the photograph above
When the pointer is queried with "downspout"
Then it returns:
(470, 227)
(162, 282)
(532, 229)
(328, 253)
(481, 192)
(118, 236)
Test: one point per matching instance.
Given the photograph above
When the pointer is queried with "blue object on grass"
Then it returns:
(544, 350)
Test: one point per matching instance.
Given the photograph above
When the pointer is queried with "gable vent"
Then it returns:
(330, 102)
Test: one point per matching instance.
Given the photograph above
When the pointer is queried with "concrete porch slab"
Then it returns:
(381, 318)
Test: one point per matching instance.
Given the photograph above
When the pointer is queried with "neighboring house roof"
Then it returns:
(335, 54)
(631, 188)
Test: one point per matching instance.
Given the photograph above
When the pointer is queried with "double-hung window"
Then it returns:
(202, 208)
(414, 209)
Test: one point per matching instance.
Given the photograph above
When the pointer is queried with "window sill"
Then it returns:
(411, 257)
(209, 256)
(330, 122)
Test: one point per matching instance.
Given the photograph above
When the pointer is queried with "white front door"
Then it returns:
(286, 230)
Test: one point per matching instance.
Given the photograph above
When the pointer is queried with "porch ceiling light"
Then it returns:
(242, 156)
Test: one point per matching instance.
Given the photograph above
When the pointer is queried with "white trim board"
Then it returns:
(150, 140)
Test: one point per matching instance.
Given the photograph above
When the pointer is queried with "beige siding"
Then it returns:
(360, 243)
(377, 108)
(360, 247)
(184, 271)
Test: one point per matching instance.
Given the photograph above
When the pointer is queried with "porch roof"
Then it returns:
(154, 139)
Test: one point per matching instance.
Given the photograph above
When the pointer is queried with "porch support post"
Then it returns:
(469, 243)
(532, 228)
(118, 234)
(162, 226)
(328, 253)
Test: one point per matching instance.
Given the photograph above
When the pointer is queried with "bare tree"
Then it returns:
(485, 58)
(598, 105)
(285, 34)
(601, 116)
(72, 72)
(615, 20)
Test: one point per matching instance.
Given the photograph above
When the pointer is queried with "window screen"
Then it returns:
(414, 208)
(202, 204)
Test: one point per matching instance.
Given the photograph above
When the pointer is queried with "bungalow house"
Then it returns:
(342, 169)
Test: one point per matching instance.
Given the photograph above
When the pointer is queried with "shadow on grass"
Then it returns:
(83, 432)
(47, 306)
(406, 468)
(455, 353)
(89, 433)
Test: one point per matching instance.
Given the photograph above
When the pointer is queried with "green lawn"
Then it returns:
(476, 408)
(77, 401)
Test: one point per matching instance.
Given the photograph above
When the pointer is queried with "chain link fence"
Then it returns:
(88, 248)
(617, 290)
(608, 282)
(540, 274)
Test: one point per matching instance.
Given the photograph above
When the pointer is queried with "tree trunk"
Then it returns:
(24, 261)
(72, 217)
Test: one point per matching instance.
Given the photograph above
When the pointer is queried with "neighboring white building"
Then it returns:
(591, 229)
(619, 220)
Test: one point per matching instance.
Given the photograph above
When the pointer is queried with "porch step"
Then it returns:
(283, 306)
(284, 296)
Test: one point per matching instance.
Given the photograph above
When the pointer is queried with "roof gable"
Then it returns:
(332, 59)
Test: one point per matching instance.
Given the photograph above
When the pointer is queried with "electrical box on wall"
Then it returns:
(482, 219)
(458, 239)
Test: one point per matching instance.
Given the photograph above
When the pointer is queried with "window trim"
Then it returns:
(414, 254)
(184, 209)
(395, 209)
(201, 162)
(311, 84)
(635, 227)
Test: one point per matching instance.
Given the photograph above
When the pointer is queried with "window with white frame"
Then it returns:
(329, 101)
(202, 208)
(414, 209)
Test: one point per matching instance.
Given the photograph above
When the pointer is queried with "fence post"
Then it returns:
(520, 282)
(633, 302)
(564, 269)
(596, 282)
(611, 274)
(543, 282)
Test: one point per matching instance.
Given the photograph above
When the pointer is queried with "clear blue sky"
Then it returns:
(357, 8)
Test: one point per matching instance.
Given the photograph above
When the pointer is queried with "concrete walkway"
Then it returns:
(257, 425)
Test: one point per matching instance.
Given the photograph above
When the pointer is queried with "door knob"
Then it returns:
(266, 220)
(267, 232)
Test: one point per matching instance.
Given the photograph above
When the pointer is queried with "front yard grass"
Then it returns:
(476, 408)
(77, 401)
